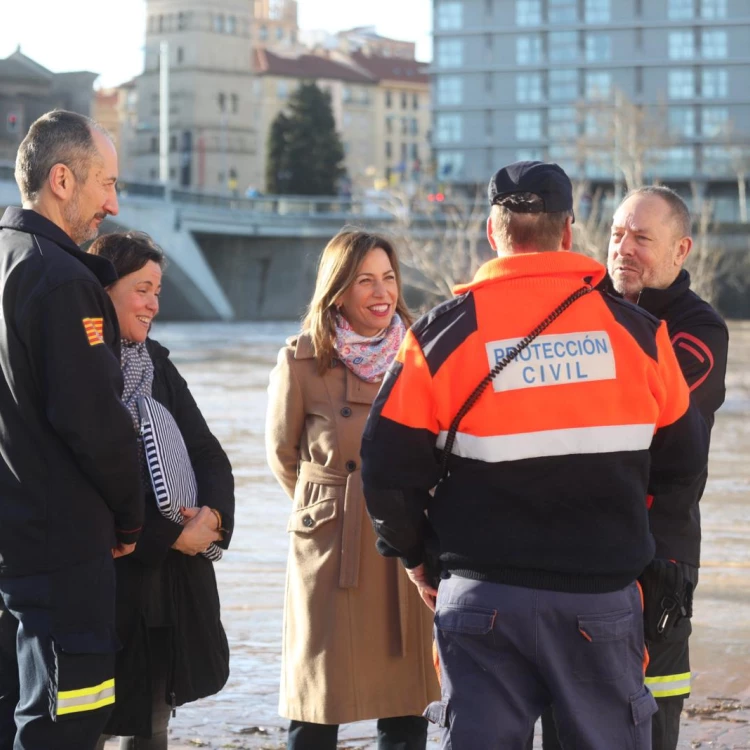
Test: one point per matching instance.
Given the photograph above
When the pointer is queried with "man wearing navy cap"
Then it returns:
(541, 412)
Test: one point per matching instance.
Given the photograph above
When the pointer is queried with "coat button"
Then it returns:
(351, 465)
(346, 412)
(307, 521)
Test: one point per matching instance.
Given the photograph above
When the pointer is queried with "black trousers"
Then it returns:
(397, 733)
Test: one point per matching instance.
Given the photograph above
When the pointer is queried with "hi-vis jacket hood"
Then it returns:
(551, 466)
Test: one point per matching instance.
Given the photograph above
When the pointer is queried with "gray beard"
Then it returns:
(79, 229)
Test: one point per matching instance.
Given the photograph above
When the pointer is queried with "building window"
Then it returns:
(598, 85)
(404, 100)
(235, 104)
(714, 121)
(403, 155)
(488, 83)
(279, 33)
(680, 10)
(231, 25)
(717, 160)
(675, 162)
(488, 8)
(450, 90)
(597, 11)
(563, 46)
(346, 94)
(450, 15)
(528, 126)
(711, 9)
(389, 125)
(529, 154)
(714, 44)
(404, 125)
(450, 53)
(682, 122)
(415, 101)
(414, 149)
(388, 99)
(219, 23)
(488, 115)
(180, 55)
(450, 164)
(598, 47)
(562, 11)
(222, 101)
(263, 33)
(528, 12)
(563, 84)
(529, 87)
(282, 89)
(565, 156)
(181, 22)
(172, 143)
(714, 83)
(448, 128)
(681, 84)
(681, 45)
(154, 145)
(562, 123)
(414, 126)
(388, 150)
(154, 174)
(529, 50)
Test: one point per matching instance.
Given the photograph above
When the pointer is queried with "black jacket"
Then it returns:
(69, 478)
(158, 586)
(701, 340)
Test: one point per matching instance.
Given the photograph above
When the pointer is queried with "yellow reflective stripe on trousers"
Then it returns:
(669, 685)
(86, 699)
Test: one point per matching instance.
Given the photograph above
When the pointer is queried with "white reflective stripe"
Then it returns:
(665, 687)
(495, 448)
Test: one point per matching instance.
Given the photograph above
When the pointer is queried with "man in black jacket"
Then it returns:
(649, 243)
(70, 492)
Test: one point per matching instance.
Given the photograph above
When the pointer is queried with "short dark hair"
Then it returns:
(678, 207)
(516, 222)
(58, 137)
(128, 251)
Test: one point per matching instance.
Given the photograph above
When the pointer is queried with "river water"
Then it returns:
(227, 367)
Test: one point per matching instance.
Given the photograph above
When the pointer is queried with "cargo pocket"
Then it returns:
(83, 677)
(438, 713)
(643, 706)
(602, 651)
(465, 619)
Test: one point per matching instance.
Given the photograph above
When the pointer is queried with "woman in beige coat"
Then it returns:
(357, 637)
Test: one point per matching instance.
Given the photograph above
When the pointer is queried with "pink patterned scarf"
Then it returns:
(368, 357)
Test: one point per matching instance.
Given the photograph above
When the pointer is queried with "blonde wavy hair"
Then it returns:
(337, 269)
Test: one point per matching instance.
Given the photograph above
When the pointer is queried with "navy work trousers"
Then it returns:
(57, 654)
(507, 652)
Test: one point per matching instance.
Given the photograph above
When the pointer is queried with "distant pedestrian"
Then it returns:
(535, 406)
(70, 489)
(357, 640)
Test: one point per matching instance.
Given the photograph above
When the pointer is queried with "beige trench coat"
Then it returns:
(357, 638)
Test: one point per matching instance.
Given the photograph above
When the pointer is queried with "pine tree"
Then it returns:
(305, 153)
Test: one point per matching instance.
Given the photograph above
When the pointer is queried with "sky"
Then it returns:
(105, 38)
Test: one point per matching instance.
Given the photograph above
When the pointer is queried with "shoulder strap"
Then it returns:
(499, 367)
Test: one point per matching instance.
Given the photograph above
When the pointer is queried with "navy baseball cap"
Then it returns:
(545, 179)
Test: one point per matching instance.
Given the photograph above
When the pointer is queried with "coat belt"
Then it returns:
(351, 533)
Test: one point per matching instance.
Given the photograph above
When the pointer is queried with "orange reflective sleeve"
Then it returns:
(411, 399)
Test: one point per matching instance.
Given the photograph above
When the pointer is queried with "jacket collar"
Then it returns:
(656, 301)
(31, 222)
(535, 267)
(357, 391)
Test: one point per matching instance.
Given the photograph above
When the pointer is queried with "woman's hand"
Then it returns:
(201, 528)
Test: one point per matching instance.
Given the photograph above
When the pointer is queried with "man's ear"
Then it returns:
(567, 235)
(61, 181)
(490, 238)
(684, 246)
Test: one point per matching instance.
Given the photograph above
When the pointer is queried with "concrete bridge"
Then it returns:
(235, 258)
(255, 258)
